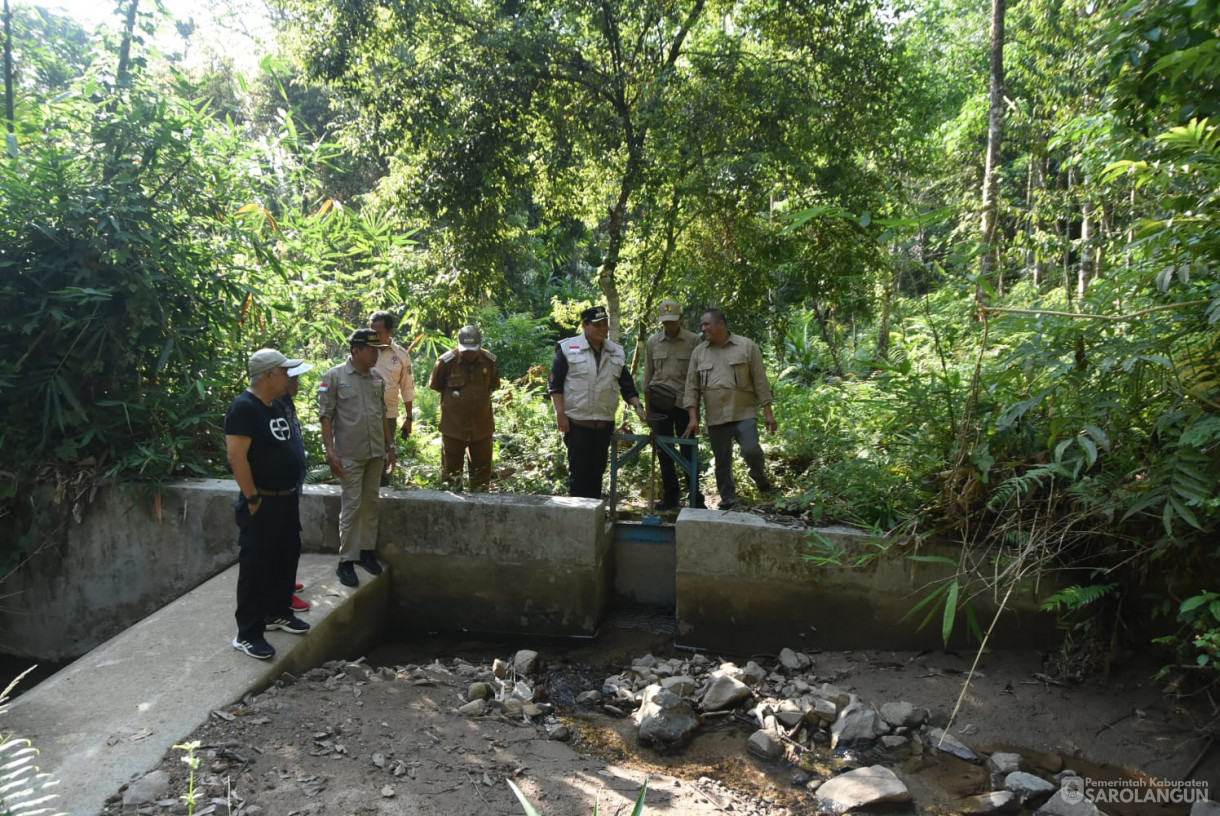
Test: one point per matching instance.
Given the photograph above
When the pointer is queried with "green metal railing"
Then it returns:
(670, 446)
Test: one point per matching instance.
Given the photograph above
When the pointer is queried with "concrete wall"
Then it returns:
(745, 587)
(90, 581)
(491, 563)
(535, 565)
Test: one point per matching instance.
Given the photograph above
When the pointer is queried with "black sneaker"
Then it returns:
(727, 504)
(667, 504)
(259, 649)
(288, 623)
(369, 562)
(347, 574)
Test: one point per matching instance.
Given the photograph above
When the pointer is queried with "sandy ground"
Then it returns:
(335, 743)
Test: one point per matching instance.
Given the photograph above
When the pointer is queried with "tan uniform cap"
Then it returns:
(669, 310)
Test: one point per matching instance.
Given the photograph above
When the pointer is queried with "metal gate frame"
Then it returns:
(670, 445)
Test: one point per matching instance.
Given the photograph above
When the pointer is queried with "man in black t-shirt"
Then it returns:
(266, 465)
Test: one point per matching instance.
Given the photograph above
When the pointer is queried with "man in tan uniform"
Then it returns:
(394, 366)
(465, 378)
(726, 372)
(359, 441)
(666, 360)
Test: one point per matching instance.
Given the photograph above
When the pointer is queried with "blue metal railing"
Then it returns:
(670, 446)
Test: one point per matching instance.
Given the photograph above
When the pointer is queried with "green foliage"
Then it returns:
(1197, 643)
(1076, 597)
(23, 788)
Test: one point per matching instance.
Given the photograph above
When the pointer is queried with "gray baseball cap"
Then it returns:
(266, 359)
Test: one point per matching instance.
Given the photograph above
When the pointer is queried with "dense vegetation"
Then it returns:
(986, 286)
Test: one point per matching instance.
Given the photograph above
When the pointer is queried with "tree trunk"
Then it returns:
(1038, 226)
(990, 260)
(1087, 266)
(8, 81)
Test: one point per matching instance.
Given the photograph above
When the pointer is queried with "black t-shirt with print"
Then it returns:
(273, 456)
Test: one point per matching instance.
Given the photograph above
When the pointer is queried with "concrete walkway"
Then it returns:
(114, 713)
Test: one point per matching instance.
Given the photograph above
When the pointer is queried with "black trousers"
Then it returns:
(270, 547)
(672, 423)
(588, 453)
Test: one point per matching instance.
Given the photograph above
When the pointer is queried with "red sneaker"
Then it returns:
(299, 587)
(299, 604)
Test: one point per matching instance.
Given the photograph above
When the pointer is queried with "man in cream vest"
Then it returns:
(587, 375)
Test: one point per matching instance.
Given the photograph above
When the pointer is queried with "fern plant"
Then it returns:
(23, 788)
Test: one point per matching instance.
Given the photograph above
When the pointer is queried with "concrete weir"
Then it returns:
(149, 581)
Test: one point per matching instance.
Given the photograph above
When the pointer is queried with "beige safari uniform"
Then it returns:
(730, 379)
(668, 359)
(394, 366)
(355, 404)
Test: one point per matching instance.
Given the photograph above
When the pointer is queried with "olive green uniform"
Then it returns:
(666, 361)
(467, 425)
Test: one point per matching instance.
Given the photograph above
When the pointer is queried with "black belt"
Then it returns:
(593, 424)
(290, 491)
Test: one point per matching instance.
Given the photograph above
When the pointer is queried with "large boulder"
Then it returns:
(944, 741)
(1031, 790)
(765, 744)
(724, 691)
(665, 719)
(858, 724)
(525, 662)
(902, 715)
(863, 788)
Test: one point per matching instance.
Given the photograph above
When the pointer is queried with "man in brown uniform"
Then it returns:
(359, 441)
(465, 379)
(666, 360)
(726, 371)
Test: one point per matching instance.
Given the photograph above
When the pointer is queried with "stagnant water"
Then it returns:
(937, 782)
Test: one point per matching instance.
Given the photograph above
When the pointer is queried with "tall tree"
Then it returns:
(990, 261)
(506, 121)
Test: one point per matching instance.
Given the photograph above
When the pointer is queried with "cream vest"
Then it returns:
(591, 392)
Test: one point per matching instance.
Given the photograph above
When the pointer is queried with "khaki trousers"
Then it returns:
(454, 454)
(361, 486)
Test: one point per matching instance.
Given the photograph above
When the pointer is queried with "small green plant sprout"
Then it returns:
(192, 761)
(530, 810)
(22, 787)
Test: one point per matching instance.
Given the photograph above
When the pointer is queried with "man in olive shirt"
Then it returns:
(359, 441)
(465, 378)
(666, 360)
(726, 372)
